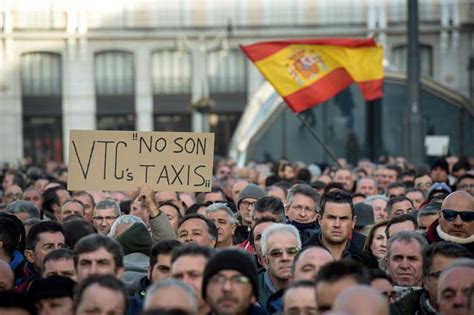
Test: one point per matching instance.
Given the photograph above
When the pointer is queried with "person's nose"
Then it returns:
(405, 264)
(460, 300)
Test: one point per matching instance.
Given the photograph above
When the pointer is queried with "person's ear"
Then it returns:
(233, 227)
(120, 272)
(213, 243)
(265, 262)
(354, 218)
(29, 255)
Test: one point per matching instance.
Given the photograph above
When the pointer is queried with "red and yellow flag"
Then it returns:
(308, 72)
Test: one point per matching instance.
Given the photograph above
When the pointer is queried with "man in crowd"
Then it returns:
(34, 196)
(171, 295)
(436, 258)
(466, 183)
(96, 254)
(423, 181)
(337, 221)
(187, 264)
(42, 238)
(100, 294)
(456, 221)
(361, 299)
(395, 189)
(379, 206)
(230, 283)
(417, 197)
(23, 210)
(428, 214)
(385, 175)
(402, 222)
(53, 199)
(280, 243)
(246, 201)
(308, 261)
(453, 286)
(52, 295)
(223, 218)
(195, 228)
(88, 203)
(105, 214)
(59, 262)
(160, 265)
(399, 205)
(71, 207)
(405, 260)
(345, 177)
(302, 209)
(366, 186)
(299, 298)
(333, 278)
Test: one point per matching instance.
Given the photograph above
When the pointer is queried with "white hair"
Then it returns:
(222, 206)
(171, 283)
(279, 228)
(124, 219)
(369, 200)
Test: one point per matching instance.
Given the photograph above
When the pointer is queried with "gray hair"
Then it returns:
(429, 209)
(23, 206)
(369, 200)
(366, 177)
(279, 228)
(171, 283)
(303, 189)
(458, 263)
(222, 206)
(406, 237)
(72, 201)
(125, 219)
(107, 204)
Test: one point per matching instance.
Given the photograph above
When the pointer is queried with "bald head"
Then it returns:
(455, 211)
(6, 276)
(309, 261)
(361, 300)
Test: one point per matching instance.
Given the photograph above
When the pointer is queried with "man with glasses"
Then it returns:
(337, 220)
(105, 214)
(302, 209)
(436, 258)
(230, 283)
(42, 238)
(456, 221)
(423, 182)
(280, 243)
(245, 202)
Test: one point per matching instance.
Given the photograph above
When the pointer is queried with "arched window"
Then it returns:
(115, 90)
(41, 91)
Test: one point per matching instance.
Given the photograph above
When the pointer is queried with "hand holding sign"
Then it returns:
(124, 160)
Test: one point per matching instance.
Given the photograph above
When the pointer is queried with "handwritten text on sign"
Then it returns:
(124, 160)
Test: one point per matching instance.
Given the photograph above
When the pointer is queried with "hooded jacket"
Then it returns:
(136, 244)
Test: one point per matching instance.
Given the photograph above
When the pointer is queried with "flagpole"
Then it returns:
(315, 136)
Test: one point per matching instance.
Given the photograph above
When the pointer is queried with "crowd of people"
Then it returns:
(271, 238)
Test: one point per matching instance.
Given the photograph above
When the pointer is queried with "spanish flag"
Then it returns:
(308, 72)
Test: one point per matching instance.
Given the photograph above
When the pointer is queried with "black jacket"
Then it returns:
(414, 303)
(352, 252)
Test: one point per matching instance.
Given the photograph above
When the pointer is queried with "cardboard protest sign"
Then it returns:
(125, 160)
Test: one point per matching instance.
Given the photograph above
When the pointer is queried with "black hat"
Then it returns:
(51, 287)
(233, 259)
(250, 191)
(440, 163)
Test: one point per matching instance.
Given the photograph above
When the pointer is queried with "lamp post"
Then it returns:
(200, 100)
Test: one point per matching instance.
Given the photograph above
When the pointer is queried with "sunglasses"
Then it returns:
(451, 215)
(278, 252)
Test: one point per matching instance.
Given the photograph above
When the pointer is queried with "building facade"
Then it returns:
(139, 65)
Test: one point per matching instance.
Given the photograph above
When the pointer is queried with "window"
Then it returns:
(400, 54)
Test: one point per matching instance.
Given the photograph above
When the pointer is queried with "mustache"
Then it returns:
(227, 297)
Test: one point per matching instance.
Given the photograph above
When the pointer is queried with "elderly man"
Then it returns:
(345, 177)
(71, 207)
(379, 206)
(436, 258)
(34, 196)
(223, 218)
(366, 186)
(230, 283)
(405, 260)
(453, 287)
(105, 214)
(280, 243)
(456, 221)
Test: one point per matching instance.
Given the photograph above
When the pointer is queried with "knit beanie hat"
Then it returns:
(233, 259)
(442, 163)
(136, 239)
(51, 287)
(250, 191)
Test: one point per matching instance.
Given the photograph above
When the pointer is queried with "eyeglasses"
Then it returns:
(107, 219)
(391, 296)
(247, 204)
(435, 274)
(278, 252)
(301, 208)
(427, 185)
(234, 280)
(451, 215)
